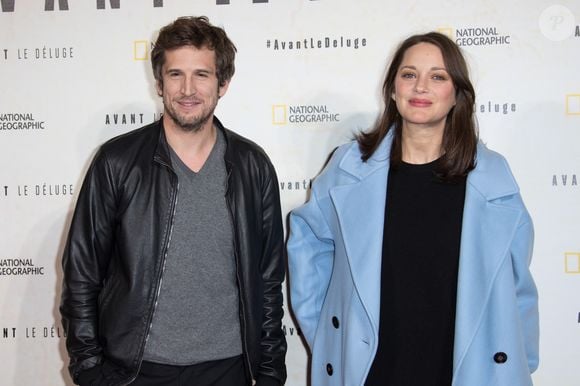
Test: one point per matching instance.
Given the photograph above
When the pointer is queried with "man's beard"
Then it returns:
(190, 125)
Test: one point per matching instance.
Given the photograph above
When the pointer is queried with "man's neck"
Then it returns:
(192, 147)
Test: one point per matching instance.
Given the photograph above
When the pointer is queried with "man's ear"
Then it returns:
(222, 89)
(159, 88)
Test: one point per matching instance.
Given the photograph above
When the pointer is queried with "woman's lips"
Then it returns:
(420, 102)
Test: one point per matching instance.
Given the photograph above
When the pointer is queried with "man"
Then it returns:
(173, 265)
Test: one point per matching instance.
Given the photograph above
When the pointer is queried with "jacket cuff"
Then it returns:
(264, 380)
(86, 377)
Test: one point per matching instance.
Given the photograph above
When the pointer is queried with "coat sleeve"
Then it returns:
(310, 259)
(273, 341)
(526, 292)
(85, 262)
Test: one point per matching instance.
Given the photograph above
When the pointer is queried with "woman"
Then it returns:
(409, 264)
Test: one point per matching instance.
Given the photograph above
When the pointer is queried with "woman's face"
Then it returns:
(424, 92)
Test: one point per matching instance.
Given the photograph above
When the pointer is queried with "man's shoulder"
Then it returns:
(240, 147)
(126, 149)
(241, 143)
(133, 139)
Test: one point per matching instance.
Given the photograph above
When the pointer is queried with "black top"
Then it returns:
(420, 260)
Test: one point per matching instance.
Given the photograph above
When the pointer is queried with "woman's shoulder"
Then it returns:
(492, 175)
(490, 161)
(347, 153)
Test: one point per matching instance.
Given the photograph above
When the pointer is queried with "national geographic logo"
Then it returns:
(18, 122)
(573, 104)
(33, 332)
(36, 190)
(564, 180)
(284, 114)
(142, 49)
(572, 266)
(476, 36)
(572, 263)
(19, 267)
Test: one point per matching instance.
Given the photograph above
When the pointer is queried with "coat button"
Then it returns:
(500, 357)
(329, 369)
(335, 322)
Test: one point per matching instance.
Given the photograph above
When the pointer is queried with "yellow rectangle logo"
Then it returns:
(446, 31)
(140, 50)
(572, 262)
(279, 114)
(573, 104)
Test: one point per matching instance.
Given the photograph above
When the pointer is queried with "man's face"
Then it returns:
(190, 88)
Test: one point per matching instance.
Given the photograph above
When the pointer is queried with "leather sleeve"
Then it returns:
(85, 262)
(273, 341)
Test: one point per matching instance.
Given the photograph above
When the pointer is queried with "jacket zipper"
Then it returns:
(160, 278)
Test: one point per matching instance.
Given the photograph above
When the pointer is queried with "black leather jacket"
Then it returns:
(117, 244)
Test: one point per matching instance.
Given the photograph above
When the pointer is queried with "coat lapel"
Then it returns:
(360, 209)
(488, 228)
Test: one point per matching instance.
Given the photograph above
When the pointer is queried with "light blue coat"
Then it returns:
(335, 250)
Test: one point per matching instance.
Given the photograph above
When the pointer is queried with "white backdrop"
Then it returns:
(75, 73)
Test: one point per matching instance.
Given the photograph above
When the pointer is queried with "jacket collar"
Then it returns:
(162, 154)
(360, 208)
(485, 179)
(351, 163)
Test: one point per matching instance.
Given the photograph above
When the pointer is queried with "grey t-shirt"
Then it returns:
(197, 314)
